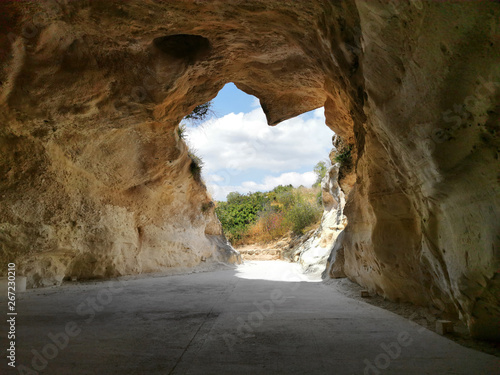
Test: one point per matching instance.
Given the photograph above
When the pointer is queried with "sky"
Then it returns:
(240, 152)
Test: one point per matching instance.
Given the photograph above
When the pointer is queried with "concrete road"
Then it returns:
(262, 318)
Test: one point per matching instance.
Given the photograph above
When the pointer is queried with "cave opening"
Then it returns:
(242, 153)
(98, 183)
(272, 185)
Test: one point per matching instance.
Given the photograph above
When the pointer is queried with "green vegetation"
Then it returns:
(320, 170)
(343, 156)
(239, 212)
(263, 217)
(195, 166)
(181, 131)
(201, 112)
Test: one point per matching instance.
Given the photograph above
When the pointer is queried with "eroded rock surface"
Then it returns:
(318, 248)
(96, 181)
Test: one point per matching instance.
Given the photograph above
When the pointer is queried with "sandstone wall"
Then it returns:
(315, 253)
(95, 179)
(423, 216)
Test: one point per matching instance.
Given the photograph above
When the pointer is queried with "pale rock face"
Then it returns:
(316, 250)
(96, 181)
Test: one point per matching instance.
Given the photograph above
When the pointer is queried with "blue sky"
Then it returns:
(242, 153)
(232, 100)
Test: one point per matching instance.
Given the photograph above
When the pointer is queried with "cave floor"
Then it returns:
(261, 318)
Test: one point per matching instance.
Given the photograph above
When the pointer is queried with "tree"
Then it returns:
(200, 112)
(239, 212)
(233, 197)
(281, 189)
(320, 170)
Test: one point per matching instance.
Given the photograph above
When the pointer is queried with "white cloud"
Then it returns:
(293, 178)
(242, 153)
(219, 191)
(214, 178)
(244, 141)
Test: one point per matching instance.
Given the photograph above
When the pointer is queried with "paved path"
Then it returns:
(262, 318)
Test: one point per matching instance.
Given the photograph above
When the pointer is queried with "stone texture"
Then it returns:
(423, 216)
(96, 182)
(317, 249)
(336, 259)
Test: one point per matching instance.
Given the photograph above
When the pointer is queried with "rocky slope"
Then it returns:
(95, 180)
(317, 249)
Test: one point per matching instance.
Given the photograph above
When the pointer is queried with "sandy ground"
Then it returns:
(257, 318)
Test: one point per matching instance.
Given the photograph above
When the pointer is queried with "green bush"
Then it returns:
(282, 189)
(344, 157)
(343, 154)
(319, 198)
(302, 214)
(266, 216)
(181, 131)
(195, 166)
(239, 212)
(281, 197)
(200, 112)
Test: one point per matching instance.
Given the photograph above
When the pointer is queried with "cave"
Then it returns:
(96, 182)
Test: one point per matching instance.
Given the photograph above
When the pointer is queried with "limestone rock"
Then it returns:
(96, 182)
(336, 259)
(314, 252)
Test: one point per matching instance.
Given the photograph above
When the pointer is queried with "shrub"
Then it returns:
(256, 234)
(239, 212)
(181, 131)
(285, 200)
(200, 112)
(302, 215)
(343, 156)
(269, 226)
(273, 223)
(319, 198)
(195, 166)
(263, 217)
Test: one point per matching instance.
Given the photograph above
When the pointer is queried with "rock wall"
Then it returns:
(96, 180)
(314, 253)
(423, 216)
(93, 184)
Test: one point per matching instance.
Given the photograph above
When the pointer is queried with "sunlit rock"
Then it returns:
(96, 182)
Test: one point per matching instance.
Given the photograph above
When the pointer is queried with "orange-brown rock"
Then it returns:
(96, 181)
